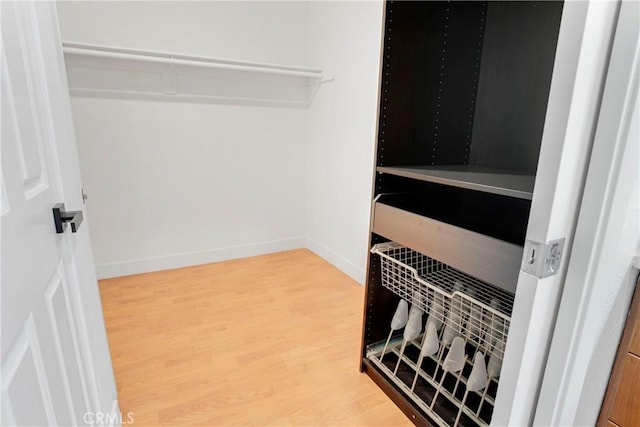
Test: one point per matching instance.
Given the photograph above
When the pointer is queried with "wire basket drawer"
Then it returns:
(479, 311)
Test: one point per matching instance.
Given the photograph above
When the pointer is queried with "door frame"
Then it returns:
(582, 55)
(603, 268)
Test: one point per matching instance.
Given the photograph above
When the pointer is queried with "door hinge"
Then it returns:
(542, 259)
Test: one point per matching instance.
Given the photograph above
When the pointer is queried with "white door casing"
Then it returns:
(600, 277)
(582, 54)
(55, 358)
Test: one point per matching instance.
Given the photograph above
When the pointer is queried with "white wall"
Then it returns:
(174, 184)
(260, 31)
(344, 40)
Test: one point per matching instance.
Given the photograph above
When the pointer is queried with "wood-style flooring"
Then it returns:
(264, 341)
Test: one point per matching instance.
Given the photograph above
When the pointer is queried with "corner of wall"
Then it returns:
(352, 270)
(344, 40)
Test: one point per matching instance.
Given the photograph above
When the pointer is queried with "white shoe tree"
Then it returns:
(477, 380)
(430, 345)
(493, 369)
(411, 331)
(399, 320)
(454, 362)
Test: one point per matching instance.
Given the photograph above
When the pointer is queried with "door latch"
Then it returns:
(542, 259)
(62, 217)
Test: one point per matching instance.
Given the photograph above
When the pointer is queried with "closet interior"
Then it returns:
(463, 98)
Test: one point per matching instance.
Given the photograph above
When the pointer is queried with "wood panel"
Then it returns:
(518, 54)
(622, 400)
(634, 346)
(429, 81)
(269, 340)
(486, 258)
(626, 406)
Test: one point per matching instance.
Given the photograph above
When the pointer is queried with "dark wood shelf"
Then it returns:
(478, 178)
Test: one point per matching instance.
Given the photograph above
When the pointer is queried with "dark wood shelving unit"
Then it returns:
(462, 104)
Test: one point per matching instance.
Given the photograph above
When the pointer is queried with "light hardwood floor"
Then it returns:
(270, 340)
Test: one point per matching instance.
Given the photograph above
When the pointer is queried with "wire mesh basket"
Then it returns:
(478, 311)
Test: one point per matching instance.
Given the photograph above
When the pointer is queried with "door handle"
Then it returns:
(61, 217)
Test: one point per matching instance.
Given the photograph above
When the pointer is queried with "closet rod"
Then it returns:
(167, 58)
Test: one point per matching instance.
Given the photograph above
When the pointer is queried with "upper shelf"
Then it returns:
(115, 72)
(478, 178)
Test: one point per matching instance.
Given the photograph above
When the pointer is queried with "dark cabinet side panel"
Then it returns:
(515, 78)
(431, 61)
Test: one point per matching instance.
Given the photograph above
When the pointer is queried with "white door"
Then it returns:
(56, 368)
(582, 55)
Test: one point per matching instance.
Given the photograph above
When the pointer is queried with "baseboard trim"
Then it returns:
(146, 265)
(338, 261)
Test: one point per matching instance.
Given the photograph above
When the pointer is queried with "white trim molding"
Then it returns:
(166, 262)
(600, 278)
(341, 263)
